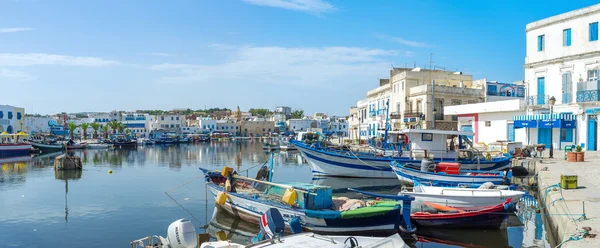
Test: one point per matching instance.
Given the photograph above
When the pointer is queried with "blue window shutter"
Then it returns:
(569, 136)
(539, 43)
(594, 31)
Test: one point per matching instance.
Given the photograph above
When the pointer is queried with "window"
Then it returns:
(592, 75)
(162, 118)
(1, 114)
(19, 116)
(567, 37)
(594, 31)
(419, 105)
(540, 43)
(566, 87)
(488, 123)
(171, 117)
(566, 134)
(10, 115)
(177, 118)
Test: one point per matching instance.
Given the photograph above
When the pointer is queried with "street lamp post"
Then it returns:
(552, 101)
(433, 120)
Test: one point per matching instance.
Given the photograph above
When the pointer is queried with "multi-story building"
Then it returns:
(562, 63)
(11, 119)
(138, 123)
(229, 126)
(496, 91)
(353, 124)
(286, 111)
(339, 126)
(279, 120)
(299, 125)
(169, 122)
(207, 124)
(257, 127)
(37, 124)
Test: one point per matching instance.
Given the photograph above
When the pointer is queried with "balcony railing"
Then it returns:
(537, 99)
(410, 113)
(395, 115)
(588, 91)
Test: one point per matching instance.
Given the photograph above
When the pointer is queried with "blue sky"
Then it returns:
(317, 55)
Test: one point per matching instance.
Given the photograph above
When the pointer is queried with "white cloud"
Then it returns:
(159, 54)
(311, 6)
(30, 59)
(401, 40)
(15, 75)
(315, 67)
(13, 30)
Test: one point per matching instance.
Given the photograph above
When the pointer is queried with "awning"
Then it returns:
(568, 117)
(526, 124)
(549, 124)
(567, 124)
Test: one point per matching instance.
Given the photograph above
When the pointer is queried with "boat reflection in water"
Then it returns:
(237, 230)
(476, 238)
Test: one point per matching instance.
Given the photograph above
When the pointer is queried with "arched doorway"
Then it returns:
(9, 129)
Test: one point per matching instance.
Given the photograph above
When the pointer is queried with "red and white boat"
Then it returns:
(10, 147)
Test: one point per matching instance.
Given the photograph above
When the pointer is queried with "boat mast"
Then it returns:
(387, 119)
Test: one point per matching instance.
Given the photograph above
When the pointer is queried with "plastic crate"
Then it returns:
(568, 181)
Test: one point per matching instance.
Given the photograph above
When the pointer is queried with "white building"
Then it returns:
(372, 109)
(299, 125)
(169, 122)
(287, 111)
(339, 126)
(191, 130)
(207, 124)
(11, 119)
(491, 121)
(563, 61)
(38, 124)
(138, 123)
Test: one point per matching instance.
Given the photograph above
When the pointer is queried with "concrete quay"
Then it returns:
(569, 211)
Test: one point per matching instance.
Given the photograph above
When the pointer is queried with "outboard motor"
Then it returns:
(272, 225)
(182, 234)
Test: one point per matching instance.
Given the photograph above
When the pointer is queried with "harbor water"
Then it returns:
(152, 186)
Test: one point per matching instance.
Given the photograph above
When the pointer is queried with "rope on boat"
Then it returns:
(190, 213)
(246, 170)
(363, 161)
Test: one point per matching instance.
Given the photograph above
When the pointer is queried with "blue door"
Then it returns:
(592, 135)
(511, 132)
(544, 136)
(467, 128)
(541, 90)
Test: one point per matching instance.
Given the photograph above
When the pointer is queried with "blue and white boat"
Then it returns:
(409, 175)
(311, 205)
(423, 143)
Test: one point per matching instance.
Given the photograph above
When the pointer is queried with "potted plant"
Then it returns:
(572, 156)
(580, 153)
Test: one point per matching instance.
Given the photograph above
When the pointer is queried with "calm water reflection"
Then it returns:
(39, 208)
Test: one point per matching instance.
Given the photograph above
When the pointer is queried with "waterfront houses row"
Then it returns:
(237, 123)
(556, 103)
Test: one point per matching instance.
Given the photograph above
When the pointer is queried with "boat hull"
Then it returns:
(348, 164)
(461, 198)
(131, 144)
(251, 210)
(48, 147)
(14, 150)
(494, 217)
(409, 176)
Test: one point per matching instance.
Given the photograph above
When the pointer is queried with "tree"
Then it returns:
(71, 126)
(95, 126)
(114, 125)
(85, 126)
(260, 112)
(121, 127)
(105, 130)
(297, 113)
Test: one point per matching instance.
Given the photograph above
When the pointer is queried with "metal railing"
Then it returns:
(537, 100)
(410, 113)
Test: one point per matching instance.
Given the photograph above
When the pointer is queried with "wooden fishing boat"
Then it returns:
(346, 163)
(46, 147)
(313, 206)
(463, 197)
(489, 217)
(77, 146)
(125, 144)
(450, 178)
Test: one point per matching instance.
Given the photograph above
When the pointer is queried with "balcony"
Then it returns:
(588, 91)
(410, 114)
(395, 115)
(537, 100)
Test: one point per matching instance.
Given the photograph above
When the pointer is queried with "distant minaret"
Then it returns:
(238, 117)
